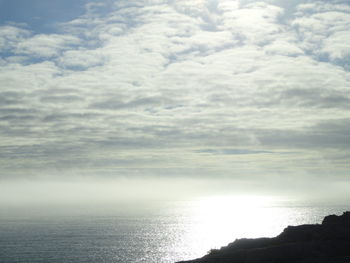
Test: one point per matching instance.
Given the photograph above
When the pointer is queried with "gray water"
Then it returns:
(155, 234)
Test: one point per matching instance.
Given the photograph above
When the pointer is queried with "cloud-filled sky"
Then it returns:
(255, 91)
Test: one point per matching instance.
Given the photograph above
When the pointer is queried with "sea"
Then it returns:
(152, 232)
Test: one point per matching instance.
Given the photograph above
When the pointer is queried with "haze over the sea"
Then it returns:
(107, 100)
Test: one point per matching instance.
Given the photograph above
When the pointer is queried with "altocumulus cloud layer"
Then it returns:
(249, 90)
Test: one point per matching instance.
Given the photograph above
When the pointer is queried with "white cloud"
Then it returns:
(324, 6)
(337, 46)
(81, 58)
(10, 36)
(323, 28)
(254, 23)
(288, 47)
(152, 83)
(45, 45)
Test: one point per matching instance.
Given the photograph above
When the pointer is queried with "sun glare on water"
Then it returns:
(217, 221)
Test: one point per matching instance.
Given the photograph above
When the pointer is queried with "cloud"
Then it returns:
(234, 151)
(337, 47)
(218, 88)
(317, 98)
(81, 59)
(115, 104)
(60, 99)
(323, 28)
(286, 47)
(45, 45)
(9, 98)
(10, 36)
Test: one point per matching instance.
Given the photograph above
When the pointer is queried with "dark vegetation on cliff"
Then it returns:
(320, 243)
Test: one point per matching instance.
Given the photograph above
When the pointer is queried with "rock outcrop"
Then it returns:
(320, 243)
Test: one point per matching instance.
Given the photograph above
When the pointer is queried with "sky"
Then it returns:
(242, 94)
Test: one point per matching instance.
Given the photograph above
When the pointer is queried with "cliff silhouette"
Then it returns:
(328, 242)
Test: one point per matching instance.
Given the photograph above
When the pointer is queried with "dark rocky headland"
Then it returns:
(327, 242)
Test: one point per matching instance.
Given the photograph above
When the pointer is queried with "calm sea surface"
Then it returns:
(159, 233)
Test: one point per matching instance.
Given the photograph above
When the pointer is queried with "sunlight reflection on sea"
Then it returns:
(164, 232)
(216, 221)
